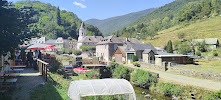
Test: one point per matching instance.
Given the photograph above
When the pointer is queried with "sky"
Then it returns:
(102, 9)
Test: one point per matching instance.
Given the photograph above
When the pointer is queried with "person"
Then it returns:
(23, 56)
(39, 54)
(29, 58)
(36, 54)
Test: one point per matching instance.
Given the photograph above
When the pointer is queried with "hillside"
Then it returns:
(109, 25)
(162, 18)
(206, 28)
(47, 20)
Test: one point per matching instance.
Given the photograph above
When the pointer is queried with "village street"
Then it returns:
(209, 84)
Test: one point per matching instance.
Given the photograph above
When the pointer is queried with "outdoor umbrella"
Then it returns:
(38, 46)
(81, 70)
(51, 47)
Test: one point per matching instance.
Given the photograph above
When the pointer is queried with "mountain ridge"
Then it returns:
(112, 24)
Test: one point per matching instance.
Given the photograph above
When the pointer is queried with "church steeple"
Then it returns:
(82, 32)
(82, 25)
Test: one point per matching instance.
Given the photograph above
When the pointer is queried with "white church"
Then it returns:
(87, 40)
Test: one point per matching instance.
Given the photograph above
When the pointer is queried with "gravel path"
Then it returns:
(28, 80)
(209, 84)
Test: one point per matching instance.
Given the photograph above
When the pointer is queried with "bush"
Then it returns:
(92, 74)
(198, 53)
(77, 52)
(67, 51)
(143, 78)
(215, 53)
(211, 96)
(137, 63)
(124, 62)
(135, 58)
(87, 48)
(170, 90)
(122, 72)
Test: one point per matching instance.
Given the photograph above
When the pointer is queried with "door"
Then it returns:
(118, 58)
(130, 58)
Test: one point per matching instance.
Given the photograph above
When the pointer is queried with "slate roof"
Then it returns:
(165, 54)
(50, 41)
(136, 47)
(92, 39)
(207, 40)
(110, 39)
(123, 49)
(128, 41)
(146, 51)
(117, 40)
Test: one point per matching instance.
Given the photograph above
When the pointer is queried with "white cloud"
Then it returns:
(79, 4)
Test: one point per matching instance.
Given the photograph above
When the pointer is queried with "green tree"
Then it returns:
(180, 35)
(77, 52)
(184, 48)
(58, 17)
(13, 29)
(201, 46)
(169, 47)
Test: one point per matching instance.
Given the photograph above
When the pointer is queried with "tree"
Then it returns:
(201, 46)
(13, 29)
(184, 48)
(169, 47)
(58, 17)
(77, 52)
(180, 35)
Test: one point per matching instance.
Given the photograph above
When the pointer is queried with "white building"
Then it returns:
(87, 40)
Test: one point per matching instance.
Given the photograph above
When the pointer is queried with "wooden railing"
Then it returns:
(43, 68)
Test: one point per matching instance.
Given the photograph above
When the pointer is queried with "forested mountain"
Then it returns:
(178, 12)
(47, 20)
(109, 25)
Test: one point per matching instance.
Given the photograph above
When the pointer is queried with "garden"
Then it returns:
(57, 87)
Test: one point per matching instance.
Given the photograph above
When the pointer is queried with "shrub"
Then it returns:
(215, 53)
(124, 62)
(210, 96)
(137, 63)
(219, 94)
(77, 52)
(167, 89)
(198, 53)
(87, 48)
(143, 78)
(135, 58)
(122, 72)
(92, 74)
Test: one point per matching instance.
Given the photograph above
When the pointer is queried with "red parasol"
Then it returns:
(81, 70)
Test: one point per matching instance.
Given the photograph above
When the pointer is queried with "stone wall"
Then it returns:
(153, 66)
(203, 75)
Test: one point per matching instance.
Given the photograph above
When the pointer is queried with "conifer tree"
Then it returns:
(58, 17)
(169, 47)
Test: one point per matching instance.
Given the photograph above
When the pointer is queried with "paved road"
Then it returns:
(184, 79)
(28, 80)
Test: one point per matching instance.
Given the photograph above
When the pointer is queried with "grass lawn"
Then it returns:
(205, 28)
(204, 65)
(55, 92)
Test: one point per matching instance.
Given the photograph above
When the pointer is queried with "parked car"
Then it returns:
(65, 55)
(68, 69)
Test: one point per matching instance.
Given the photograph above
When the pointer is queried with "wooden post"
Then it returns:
(46, 73)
